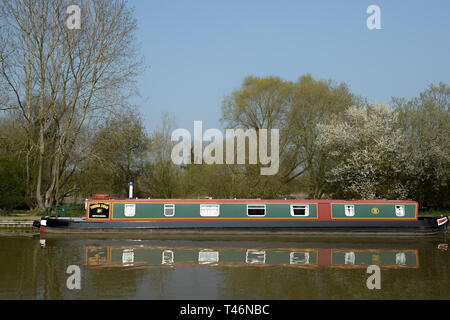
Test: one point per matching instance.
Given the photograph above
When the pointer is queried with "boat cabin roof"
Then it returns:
(150, 200)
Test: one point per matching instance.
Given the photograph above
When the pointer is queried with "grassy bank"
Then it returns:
(19, 213)
(434, 213)
(61, 211)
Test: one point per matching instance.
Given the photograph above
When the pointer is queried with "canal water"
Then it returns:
(226, 268)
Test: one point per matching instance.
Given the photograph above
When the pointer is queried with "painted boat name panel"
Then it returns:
(98, 211)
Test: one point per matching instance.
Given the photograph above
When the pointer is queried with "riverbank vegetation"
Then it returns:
(68, 130)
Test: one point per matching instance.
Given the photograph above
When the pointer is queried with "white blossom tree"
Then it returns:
(367, 149)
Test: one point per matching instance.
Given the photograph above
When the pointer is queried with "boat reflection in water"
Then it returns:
(146, 256)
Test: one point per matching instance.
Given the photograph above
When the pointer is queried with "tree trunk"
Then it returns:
(39, 199)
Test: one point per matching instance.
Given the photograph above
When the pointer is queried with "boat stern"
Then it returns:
(41, 224)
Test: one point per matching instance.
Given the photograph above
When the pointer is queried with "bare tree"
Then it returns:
(161, 178)
(73, 76)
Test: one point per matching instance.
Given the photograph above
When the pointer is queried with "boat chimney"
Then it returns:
(131, 190)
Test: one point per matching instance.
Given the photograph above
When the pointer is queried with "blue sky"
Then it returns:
(198, 51)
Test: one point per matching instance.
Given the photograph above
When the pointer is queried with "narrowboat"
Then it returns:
(247, 216)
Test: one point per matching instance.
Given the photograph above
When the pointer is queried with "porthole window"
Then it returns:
(400, 210)
(209, 210)
(349, 210)
(300, 210)
(256, 210)
(169, 210)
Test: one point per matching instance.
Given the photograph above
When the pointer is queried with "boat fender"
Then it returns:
(442, 221)
(43, 227)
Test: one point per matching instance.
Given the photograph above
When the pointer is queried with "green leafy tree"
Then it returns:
(116, 156)
(313, 102)
(260, 103)
(12, 183)
(295, 109)
(426, 122)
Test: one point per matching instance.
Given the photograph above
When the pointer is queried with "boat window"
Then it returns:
(349, 258)
(169, 210)
(400, 210)
(167, 257)
(300, 210)
(349, 210)
(208, 256)
(127, 257)
(400, 258)
(299, 258)
(255, 256)
(209, 210)
(256, 209)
